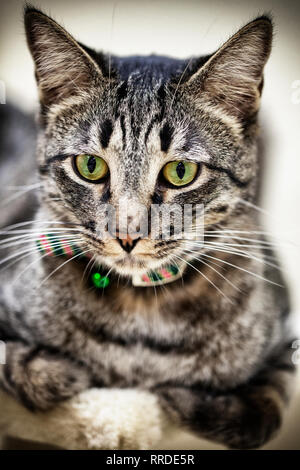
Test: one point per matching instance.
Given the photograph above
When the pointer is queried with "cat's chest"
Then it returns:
(145, 340)
(146, 361)
(139, 348)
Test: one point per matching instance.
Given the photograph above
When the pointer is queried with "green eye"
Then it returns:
(90, 167)
(180, 173)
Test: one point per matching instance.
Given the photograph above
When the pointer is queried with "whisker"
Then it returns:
(37, 222)
(243, 239)
(30, 249)
(182, 279)
(36, 260)
(257, 208)
(215, 270)
(180, 80)
(18, 194)
(270, 235)
(14, 255)
(107, 274)
(37, 231)
(241, 269)
(93, 265)
(242, 245)
(63, 264)
(259, 244)
(236, 250)
(243, 254)
(52, 238)
(29, 186)
(275, 243)
(205, 277)
(87, 266)
(3, 268)
(236, 246)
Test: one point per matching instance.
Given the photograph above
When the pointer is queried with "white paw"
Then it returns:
(94, 419)
(112, 419)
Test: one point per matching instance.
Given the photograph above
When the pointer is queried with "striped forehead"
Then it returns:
(140, 108)
(137, 130)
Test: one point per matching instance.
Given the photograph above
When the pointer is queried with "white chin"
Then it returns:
(131, 266)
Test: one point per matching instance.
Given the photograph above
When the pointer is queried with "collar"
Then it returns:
(49, 245)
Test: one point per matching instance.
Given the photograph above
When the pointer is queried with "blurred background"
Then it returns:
(182, 29)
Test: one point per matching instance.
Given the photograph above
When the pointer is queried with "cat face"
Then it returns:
(146, 132)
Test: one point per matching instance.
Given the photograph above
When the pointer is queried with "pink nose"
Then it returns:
(128, 241)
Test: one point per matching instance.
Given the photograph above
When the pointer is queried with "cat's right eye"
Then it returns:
(90, 168)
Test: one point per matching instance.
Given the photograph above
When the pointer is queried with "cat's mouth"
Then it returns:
(130, 264)
(143, 257)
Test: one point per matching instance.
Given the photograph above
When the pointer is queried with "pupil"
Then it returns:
(91, 164)
(180, 170)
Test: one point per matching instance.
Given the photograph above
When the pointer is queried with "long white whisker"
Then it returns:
(271, 235)
(275, 243)
(14, 255)
(257, 208)
(242, 245)
(87, 266)
(17, 260)
(241, 269)
(243, 239)
(107, 274)
(36, 222)
(31, 239)
(19, 193)
(92, 265)
(63, 264)
(31, 249)
(243, 254)
(37, 231)
(211, 267)
(230, 249)
(36, 260)
(22, 187)
(205, 277)
(182, 279)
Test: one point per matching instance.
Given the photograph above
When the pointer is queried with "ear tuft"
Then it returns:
(63, 67)
(28, 8)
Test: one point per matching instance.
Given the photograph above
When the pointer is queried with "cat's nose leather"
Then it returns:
(128, 242)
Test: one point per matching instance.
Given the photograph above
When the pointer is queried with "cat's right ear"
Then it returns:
(63, 67)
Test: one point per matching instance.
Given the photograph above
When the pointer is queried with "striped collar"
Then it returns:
(49, 245)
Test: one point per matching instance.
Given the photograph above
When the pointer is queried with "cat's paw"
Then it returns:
(40, 379)
(112, 419)
(93, 419)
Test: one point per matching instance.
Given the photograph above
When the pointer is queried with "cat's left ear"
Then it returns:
(63, 68)
(233, 76)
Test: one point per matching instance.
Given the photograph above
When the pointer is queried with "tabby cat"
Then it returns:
(211, 343)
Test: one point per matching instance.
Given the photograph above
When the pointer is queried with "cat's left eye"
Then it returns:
(91, 167)
(180, 173)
